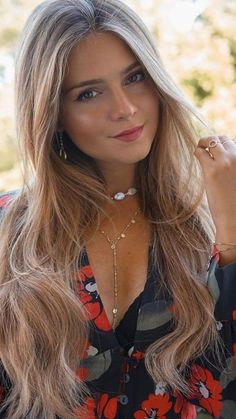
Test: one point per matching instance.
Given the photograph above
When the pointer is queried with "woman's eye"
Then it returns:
(137, 76)
(89, 94)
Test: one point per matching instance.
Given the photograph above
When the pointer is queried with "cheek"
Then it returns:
(152, 106)
(150, 101)
(79, 124)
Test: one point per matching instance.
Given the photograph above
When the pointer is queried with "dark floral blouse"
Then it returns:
(113, 364)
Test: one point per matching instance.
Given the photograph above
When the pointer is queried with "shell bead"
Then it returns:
(119, 196)
(131, 191)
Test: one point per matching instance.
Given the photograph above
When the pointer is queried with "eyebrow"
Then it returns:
(99, 81)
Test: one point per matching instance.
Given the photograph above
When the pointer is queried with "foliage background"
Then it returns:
(199, 52)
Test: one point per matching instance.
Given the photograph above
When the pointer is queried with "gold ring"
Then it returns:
(208, 151)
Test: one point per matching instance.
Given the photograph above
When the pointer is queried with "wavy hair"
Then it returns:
(42, 322)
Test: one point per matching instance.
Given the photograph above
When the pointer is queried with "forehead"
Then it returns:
(98, 55)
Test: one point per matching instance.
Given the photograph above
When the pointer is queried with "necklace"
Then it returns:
(119, 196)
(113, 245)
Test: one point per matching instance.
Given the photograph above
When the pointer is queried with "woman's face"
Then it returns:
(105, 92)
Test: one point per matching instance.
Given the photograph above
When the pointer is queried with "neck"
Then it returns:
(119, 178)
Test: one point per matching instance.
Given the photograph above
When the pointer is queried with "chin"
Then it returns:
(134, 159)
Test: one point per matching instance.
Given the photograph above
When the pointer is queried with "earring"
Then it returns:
(62, 152)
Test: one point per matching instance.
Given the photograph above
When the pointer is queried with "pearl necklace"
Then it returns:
(113, 245)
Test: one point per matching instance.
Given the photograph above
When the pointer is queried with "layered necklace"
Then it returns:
(113, 245)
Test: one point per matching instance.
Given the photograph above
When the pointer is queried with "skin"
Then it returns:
(120, 102)
(92, 116)
(219, 171)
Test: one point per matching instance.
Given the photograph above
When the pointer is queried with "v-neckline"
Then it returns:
(148, 272)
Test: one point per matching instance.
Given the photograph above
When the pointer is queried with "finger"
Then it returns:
(204, 157)
(228, 143)
(212, 141)
(212, 145)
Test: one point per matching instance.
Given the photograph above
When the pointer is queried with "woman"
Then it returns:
(108, 306)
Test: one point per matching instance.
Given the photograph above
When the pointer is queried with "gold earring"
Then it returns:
(62, 152)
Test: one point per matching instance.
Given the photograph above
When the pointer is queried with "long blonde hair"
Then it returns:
(42, 322)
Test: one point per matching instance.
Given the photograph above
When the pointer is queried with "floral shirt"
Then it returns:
(113, 364)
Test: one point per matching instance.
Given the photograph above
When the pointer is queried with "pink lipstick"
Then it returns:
(130, 135)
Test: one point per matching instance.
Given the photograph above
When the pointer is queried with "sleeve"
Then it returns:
(213, 386)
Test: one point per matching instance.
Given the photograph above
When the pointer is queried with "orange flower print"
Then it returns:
(138, 355)
(87, 410)
(156, 406)
(82, 373)
(86, 288)
(107, 408)
(206, 389)
(183, 406)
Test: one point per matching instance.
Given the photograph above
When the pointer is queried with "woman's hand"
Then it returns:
(217, 156)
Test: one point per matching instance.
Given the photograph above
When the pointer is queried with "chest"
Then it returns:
(130, 265)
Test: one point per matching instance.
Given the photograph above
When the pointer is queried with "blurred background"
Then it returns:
(197, 42)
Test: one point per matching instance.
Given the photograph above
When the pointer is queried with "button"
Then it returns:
(123, 399)
(219, 326)
(126, 378)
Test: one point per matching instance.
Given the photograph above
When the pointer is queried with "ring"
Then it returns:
(213, 143)
(208, 151)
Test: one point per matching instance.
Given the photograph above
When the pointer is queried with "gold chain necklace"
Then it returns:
(113, 244)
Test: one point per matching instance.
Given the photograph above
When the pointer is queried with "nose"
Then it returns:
(122, 107)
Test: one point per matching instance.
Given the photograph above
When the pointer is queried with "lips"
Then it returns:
(128, 132)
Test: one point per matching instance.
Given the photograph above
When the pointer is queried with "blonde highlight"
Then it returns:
(44, 229)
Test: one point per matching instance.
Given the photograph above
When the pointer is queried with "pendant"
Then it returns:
(131, 191)
(119, 196)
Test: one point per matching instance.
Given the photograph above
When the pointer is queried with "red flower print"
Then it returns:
(107, 408)
(138, 355)
(82, 373)
(87, 410)
(183, 406)
(4, 200)
(206, 389)
(86, 288)
(156, 406)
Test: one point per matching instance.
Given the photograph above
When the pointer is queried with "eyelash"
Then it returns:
(82, 95)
